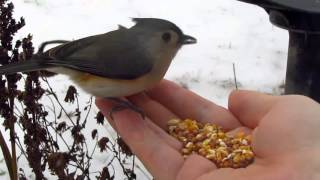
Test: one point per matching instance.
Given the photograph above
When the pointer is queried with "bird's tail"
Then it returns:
(26, 66)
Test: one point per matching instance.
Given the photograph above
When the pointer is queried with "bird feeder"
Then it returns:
(302, 20)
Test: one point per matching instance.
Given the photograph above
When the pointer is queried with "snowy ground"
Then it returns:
(228, 32)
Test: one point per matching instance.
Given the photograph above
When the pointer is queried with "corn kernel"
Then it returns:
(173, 122)
(211, 142)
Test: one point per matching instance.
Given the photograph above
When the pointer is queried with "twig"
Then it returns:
(89, 110)
(57, 99)
(234, 76)
(7, 155)
(21, 148)
(53, 109)
(13, 142)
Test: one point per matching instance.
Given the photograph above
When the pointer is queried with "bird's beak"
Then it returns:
(186, 39)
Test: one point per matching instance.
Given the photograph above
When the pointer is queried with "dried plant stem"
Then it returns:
(13, 144)
(14, 155)
(20, 146)
(6, 155)
(57, 99)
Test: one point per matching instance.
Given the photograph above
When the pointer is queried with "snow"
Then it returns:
(228, 32)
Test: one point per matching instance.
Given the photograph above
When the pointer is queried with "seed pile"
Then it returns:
(211, 142)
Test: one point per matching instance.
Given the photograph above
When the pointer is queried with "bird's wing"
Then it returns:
(115, 55)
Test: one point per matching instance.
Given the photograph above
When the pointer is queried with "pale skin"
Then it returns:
(285, 130)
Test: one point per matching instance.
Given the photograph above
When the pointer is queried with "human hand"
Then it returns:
(285, 133)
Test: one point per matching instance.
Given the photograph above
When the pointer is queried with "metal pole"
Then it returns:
(303, 66)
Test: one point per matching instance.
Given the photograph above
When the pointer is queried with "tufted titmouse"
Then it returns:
(115, 64)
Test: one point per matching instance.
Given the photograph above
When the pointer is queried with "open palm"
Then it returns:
(285, 129)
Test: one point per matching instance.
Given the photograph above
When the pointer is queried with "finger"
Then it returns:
(106, 105)
(191, 171)
(258, 171)
(159, 114)
(249, 107)
(152, 150)
(187, 104)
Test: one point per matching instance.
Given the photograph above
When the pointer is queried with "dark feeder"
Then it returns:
(302, 19)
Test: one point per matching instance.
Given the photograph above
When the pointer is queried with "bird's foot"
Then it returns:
(122, 105)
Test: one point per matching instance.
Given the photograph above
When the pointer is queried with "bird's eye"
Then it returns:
(166, 36)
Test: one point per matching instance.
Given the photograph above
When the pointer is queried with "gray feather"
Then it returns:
(113, 55)
(26, 66)
(118, 54)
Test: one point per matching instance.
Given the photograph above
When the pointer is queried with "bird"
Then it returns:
(115, 64)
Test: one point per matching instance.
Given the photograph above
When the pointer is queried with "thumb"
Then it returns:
(250, 106)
